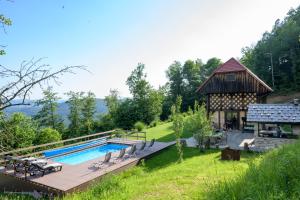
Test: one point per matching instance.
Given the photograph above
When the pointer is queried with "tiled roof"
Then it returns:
(274, 113)
(232, 65)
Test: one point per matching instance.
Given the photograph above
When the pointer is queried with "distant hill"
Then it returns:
(63, 108)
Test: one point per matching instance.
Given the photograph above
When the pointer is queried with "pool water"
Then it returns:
(88, 154)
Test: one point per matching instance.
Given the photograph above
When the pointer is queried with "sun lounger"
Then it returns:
(120, 157)
(141, 148)
(36, 168)
(106, 160)
(131, 152)
(151, 144)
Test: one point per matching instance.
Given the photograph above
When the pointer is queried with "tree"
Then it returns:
(47, 135)
(127, 114)
(47, 116)
(88, 110)
(75, 103)
(112, 102)
(281, 47)
(19, 82)
(178, 126)
(176, 83)
(198, 124)
(146, 101)
(17, 131)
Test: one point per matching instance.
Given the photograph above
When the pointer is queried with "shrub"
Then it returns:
(139, 126)
(48, 135)
(199, 125)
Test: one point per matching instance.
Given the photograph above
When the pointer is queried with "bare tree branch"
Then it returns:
(29, 75)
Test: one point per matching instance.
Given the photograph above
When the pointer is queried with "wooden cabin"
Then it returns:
(229, 90)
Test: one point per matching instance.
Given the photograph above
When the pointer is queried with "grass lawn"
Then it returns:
(164, 133)
(161, 177)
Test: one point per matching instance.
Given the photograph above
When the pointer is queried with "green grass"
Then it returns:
(164, 133)
(161, 177)
(277, 176)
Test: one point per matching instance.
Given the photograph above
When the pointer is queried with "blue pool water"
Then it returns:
(55, 152)
(88, 154)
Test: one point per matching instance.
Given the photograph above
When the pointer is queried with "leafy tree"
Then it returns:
(176, 83)
(178, 126)
(47, 135)
(75, 103)
(17, 131)
(112, 103)
(88, 111)
(281, 46)
(146, 102)
(47, 116)
(198, 124)
(184, 81)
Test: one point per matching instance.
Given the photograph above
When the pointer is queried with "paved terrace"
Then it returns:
(77, 177)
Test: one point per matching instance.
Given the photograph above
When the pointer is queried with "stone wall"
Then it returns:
(265, 143)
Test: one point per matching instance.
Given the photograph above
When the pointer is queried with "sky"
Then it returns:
(112, 37)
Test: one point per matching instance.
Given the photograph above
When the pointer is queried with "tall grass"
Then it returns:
(276, 176)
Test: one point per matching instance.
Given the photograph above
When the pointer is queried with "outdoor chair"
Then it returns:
(151, 144)
(141, 148)
(37, 168)
(106, 160)
(131, 152)
(120, 157)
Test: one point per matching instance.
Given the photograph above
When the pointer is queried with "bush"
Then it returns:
(266, 179)
(199, 125)
(48, 135)
(139, 126)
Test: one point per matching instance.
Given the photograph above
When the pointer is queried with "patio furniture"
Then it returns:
(141, 148)
(35, 169)
(120, 156)
(131, 152)
(106, 160)
(151, 144)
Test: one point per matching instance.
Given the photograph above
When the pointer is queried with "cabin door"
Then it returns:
(232, 120)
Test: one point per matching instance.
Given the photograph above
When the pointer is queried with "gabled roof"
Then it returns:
(274, 113)
(232, 66)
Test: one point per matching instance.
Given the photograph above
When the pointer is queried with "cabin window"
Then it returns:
(230, 77)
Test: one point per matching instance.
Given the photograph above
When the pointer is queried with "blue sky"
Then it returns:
(111, 37)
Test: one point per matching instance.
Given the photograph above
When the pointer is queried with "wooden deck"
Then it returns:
(77, 177)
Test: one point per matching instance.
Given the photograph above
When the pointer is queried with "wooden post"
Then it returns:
(207, 105)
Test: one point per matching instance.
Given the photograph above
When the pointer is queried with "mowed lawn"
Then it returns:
(164, 133)
(161, 177)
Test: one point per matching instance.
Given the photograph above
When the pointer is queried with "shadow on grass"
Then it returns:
(170, 156)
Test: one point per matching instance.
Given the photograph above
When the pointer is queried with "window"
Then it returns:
(230, 77)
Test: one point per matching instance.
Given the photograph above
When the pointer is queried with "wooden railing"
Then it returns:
(82, 139)
(135, 134)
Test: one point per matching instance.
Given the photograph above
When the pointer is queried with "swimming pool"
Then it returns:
(88, 154)
(55, 152)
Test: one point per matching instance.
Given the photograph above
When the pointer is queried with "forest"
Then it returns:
(275, 58)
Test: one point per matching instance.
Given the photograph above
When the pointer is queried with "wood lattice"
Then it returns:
(236, 101)
(249, 98)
